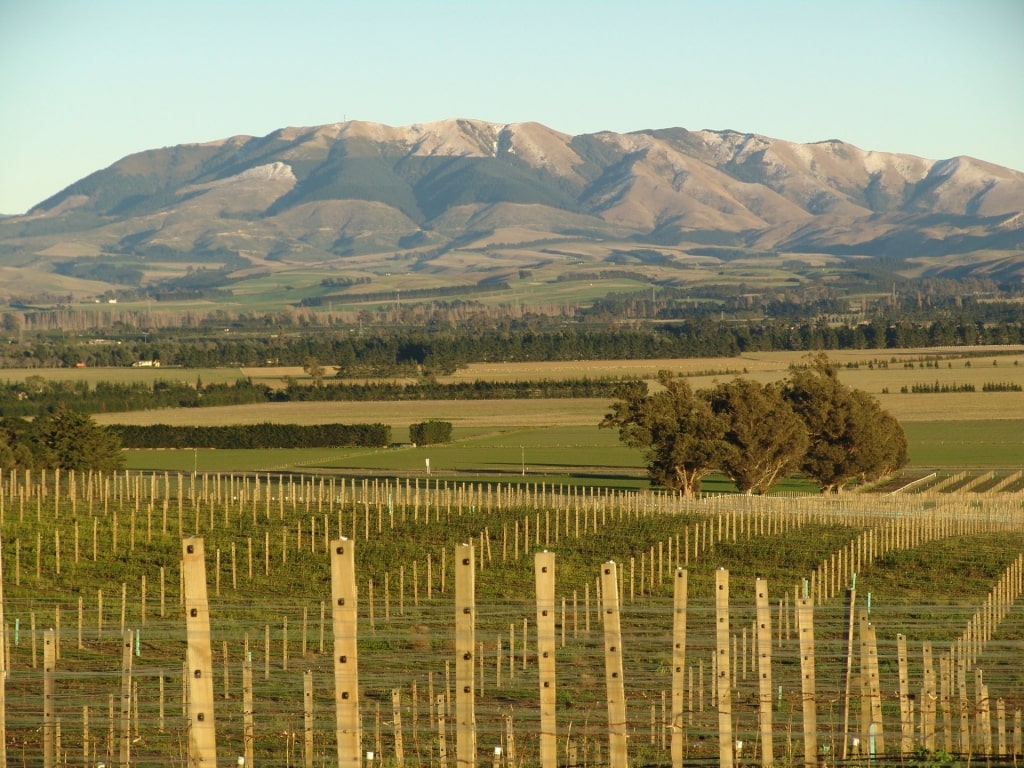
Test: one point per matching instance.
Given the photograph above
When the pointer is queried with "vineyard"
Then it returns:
(507, 624)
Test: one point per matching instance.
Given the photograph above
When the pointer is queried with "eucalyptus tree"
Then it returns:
(682, 437)
(850, 436)
(766, 439)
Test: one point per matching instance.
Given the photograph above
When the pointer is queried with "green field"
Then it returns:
(566, 452)
(559, 438)
(978, 444)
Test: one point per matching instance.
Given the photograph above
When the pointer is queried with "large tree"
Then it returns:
(682, 437)
(766, 439)
(71, 440)
(851, 437)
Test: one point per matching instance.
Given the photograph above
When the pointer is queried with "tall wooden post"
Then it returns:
(807, 677)
(544, 572)
(126, 698)
(679, 600)
(465, 645)
(906, 713)
(442, 744)
(929, 696)
(723, 690)
(871, 699)
(851, 596)
(396, 719)
(764, 670)
(307, 718)
(49, 716)
(248, 721)
(202, 735)
(346, 659)
(618, 754)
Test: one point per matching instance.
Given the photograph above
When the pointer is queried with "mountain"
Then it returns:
(460, 201)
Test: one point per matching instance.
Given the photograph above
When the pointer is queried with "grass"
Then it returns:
(977, 444)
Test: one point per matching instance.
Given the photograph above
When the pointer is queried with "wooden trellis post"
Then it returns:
(808, 686)
(346, 660)
(679, 600)
(906, 712)
(126, 698)
(465, 645)
(49, 679)
(764, 670)
(929, 694)
(248, 721)
(202, 734)
(871, 692)
(723, 691)
(851, 599)
(396, 719)
(618, 754)
(544, 571)
(307, 718)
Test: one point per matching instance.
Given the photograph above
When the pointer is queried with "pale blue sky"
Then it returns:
(86, 82)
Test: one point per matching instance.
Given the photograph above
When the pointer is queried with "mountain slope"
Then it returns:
(350, 190)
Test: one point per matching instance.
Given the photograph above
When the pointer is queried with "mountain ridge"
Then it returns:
(330, 193)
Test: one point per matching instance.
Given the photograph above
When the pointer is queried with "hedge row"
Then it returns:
(265, 435)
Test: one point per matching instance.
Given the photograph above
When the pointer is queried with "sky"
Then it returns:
(83, 84)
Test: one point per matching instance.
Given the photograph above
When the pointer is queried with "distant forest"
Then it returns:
(439, 337)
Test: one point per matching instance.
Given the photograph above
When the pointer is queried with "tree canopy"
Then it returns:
(850, 435)
(765, 439)
(60, 439)
(682, 437)
(758, 433)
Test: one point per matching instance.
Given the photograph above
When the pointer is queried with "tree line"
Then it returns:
(440, 349)
(759, 433)
(266, 435)
(37, 394)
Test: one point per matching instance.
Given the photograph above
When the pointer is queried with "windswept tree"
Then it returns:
(682, 438)
(766, 439)
(851, 437)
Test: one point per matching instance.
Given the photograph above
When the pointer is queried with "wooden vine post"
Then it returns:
(202, 733)
(851, 596)
(307, 718)
(618, 754)
(248, 721)
(805, 614)
(723, 691)
(906, 713)
(679, 604)
(544, 571)
(126, 697)
(346, 659)
(871, 691)
(764, 670)
(465, 645)
(49, 715)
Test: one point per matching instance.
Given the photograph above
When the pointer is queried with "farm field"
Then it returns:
(98, 560)
(557, 438)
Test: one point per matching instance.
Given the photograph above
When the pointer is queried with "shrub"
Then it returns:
(430, 432)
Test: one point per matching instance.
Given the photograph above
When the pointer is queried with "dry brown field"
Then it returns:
(469, 414)
(952, 366)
